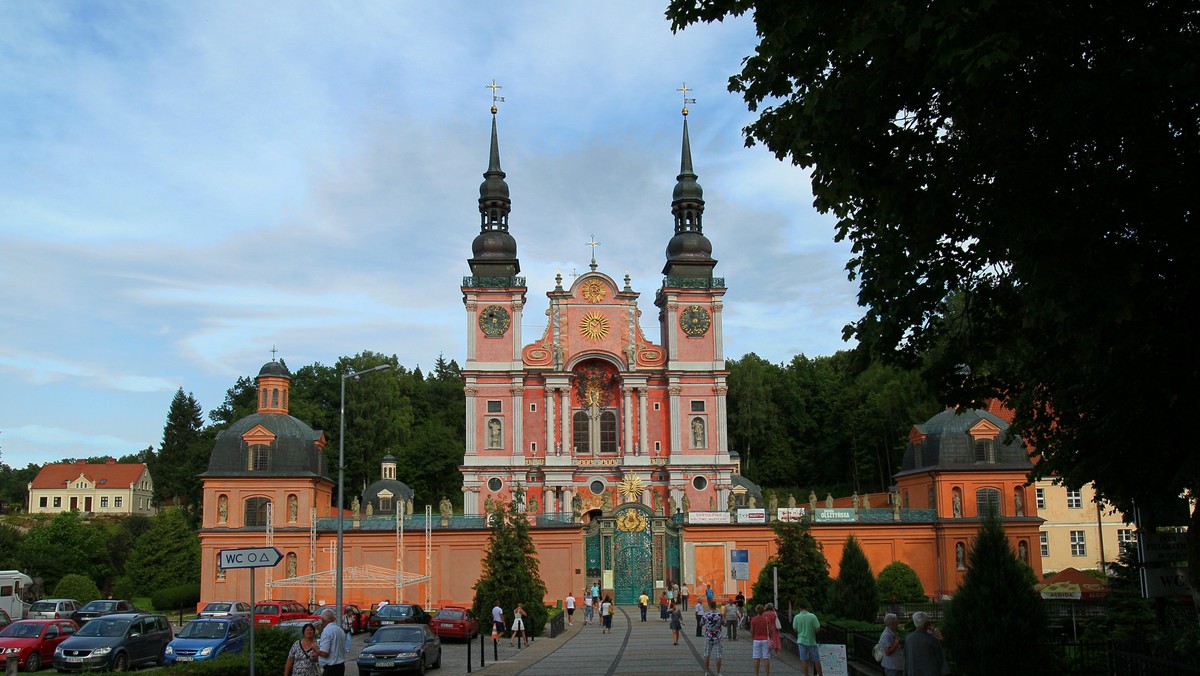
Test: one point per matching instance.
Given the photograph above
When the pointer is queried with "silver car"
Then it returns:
(53, 609)
(226, 608)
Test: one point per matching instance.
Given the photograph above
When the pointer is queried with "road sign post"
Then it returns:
(252, 558)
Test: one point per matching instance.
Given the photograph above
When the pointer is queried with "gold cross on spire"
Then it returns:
(593, 243)
(685, 89)
(495, 99)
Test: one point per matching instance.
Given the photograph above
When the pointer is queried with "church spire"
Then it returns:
(494, 249)
(689, 253)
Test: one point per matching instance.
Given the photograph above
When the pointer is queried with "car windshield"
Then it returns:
(21, 630)
(266, 610)
(197, 629)
(43, 607)
(395, 611)
(400, 635)
(217, 607)
(449, 615)
(104, 627)
(100, 605)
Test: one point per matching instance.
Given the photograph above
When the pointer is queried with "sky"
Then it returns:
(186, 185)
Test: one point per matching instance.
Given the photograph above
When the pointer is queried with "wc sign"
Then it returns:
(250, 557)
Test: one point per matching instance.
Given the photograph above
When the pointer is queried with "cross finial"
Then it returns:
(273, 351)
(685, 89)
(495, 99)
(593, 243)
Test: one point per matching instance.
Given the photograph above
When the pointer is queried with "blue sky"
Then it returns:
(186, 184)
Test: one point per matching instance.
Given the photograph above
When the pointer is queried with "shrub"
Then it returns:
(78, 587)
(853, 595)
(898, 583)
(174, 598)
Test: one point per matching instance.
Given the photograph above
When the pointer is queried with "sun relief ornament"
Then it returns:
(631, 487)
(593, 291)
(593, 326)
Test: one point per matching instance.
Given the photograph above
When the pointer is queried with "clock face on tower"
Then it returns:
(695, 320)
(494, 321)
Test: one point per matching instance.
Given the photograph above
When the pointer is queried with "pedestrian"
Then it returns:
(762, 628)
(712, 637)
(683, 596)
(497, 620)
(663, 605)
(773, 618)
(923, 655)
(570, 603)
(596, 594)
(676, 621)
(643, 602)
(518, 625)
(708, 594)
(588, 609)
(348, 626)
(606, 609)
(302, 657)
(700, 610)
(893, 649)
(331, 649)
(806, 626)
(733, 617)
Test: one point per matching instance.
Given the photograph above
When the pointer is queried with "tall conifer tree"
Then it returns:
(510, 569)
(853, 595)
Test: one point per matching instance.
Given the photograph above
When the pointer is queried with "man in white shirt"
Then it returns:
(331, 647)
(497, 619)
(570, 609)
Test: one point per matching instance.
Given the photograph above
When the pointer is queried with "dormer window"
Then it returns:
(259, 458)
(985, 450)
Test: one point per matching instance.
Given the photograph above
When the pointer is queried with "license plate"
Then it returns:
(264, 622)
(384, 665)
(387, 622)
(182, 658)
(446, 624)
(74, 659)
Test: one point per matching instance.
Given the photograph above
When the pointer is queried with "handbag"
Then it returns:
(877, 653)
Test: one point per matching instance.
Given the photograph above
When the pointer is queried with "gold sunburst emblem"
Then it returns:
(593, 326)
(631, 487)
(631, 521)
(593, 291)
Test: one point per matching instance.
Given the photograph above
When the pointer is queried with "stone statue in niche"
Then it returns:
(956, 503)
(494, 433)
(293, 508)
(697, 433)
(222, 509)
(1023, 551)
(291, 565)
(960, 556)
(576, 507)
(1019, 504)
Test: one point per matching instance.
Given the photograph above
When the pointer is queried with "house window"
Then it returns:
(1125, 536)
(1074, 500)
(1078, 543)
(987, 501)
(580, 435)
(1044, 537)
(494, 406)
(533, 408)
(104, 502)
(1041, 498)
(256, 512)
(985, 450)
(57, 502)
(42, 501)
(118, 501)
(608, 432)
(698, 406)
(260, 457)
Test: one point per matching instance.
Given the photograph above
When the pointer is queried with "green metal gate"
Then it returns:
(632, 555)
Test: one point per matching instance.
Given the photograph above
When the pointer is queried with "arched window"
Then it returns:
(285, 398)
(263, 398)
(260, 457)
(257, 512)
(275, 398)
(987, 501)
(608, 432)
(580, 432)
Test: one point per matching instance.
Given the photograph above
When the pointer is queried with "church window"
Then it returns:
(698, 406)
(256, 512)
(658, 445)
(263, 398)
(657, 406)
(493, 406)
(260, 457)
(494, 484)
(579, 423)
(608, 432)
(275, 398)
(596, 487)
(985, 450)
(385, 504)
(699, 483)
(987, 501)
(285, 392)
(533, 447)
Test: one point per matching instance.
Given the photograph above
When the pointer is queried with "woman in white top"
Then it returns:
(606, 615)
(518, 627)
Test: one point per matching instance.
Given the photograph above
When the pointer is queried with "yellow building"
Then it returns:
(1078, 532)
(109, 488)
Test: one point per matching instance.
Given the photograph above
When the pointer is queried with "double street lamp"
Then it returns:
(342, 479)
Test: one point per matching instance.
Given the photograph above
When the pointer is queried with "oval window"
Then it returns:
(494, 484)
(597, 487)
(699, 483)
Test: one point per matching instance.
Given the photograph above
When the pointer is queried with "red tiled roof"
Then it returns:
(109, 475)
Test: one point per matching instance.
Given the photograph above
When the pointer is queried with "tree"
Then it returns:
(510, 569)
(995, 609)
(182, 455)
(1018, 183)
(65, 544)
(853, 595)
(898, 583)
(79, 587)
(10, 540)
(166, 555)
(803, 570)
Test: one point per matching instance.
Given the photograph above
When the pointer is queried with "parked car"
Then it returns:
(454, 622)
(360, 620)
(406, 647)
(100, 608)
(274, 612)
(117, 642)
(296, 627)
(34, 641)
(226, 608)
(206, 637)
(53, 609)
(397, 613)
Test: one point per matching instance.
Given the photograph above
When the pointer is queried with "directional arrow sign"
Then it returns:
(250, 557)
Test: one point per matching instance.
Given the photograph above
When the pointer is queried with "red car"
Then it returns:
(274, 612)
(454, 622)
(34, 641)
(360, 620)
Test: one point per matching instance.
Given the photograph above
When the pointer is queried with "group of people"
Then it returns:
(326, 650)
(518, 624)
(919, 654)
(714, 624)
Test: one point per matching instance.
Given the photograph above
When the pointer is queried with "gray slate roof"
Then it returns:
(293, 454)
(949, 445)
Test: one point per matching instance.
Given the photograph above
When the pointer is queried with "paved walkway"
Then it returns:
(633, 648)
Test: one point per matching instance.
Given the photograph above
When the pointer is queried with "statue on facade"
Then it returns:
(1023, 551)
(291, 565)
(773, 505)
(895, 506)
(697, 433)
(370, 509)
(687, 503)
(293, 508)
(957, 503)
(655, 502)
(494, 433)
(712, 503)
(606, 503)
(576, 507)
(488, 505)
(732, 508)
(828, 500)
(354, 507)
(1019, 504)
(445, 508)
(855, 501)
(533, 505)
(812, 499)
(791, 503)
(960, 556)
(866, 500)
(222, 509)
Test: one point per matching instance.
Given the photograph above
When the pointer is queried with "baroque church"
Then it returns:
(613, 446)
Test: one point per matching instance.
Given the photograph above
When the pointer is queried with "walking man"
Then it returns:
(570, 609)
(497, 620)
(700, 610)
(806, 626)
(923, 654)
(331, 647)
(732, 617)
(643, 600)
(683, 596)
(712, 637)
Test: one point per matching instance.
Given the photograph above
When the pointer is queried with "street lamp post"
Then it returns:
(342, 479)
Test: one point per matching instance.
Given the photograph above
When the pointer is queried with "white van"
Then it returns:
(15, 589)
